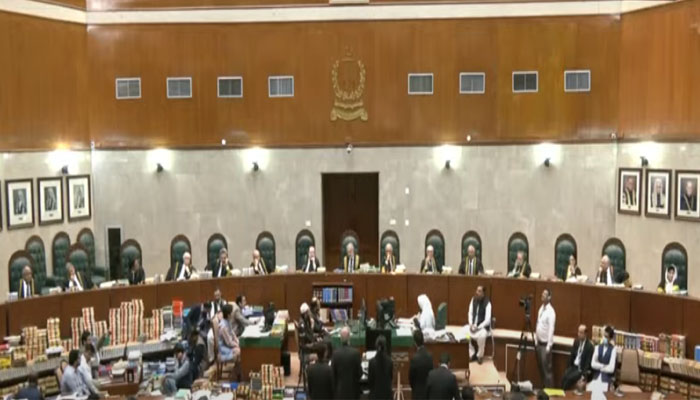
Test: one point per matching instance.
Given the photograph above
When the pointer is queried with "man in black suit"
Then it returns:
(421, 365)
(579, 366)
(31, 391)
(471, 265)
(442, 383)
(347, 369)
(312, 263)
(222, 266)
(320, 375)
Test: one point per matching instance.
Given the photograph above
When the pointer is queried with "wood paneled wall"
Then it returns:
(659, 79)
(57, 84)
(390, 50)
(43, 82)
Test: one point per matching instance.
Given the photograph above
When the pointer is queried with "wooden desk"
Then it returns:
(628, 310)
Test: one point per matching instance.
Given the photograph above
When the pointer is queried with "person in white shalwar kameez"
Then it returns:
(603, 363)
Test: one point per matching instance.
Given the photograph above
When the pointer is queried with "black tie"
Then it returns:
(658, 199)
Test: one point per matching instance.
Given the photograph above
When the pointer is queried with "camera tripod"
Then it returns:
(522, 346)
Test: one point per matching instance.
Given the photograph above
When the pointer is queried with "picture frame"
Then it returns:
(79, 197)
(19, 203)
(629, 189)
(49, 200)
(658, 199)
(686, 198)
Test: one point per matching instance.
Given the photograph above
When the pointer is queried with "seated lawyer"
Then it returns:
(579, 366)
(603, 363)
(312, 263)
(136, 274)
(521, 268)
(351, 261)
(181, 271)
(471, 265)
(479, 324)
(258, 264)
(668, 285)
(429, 265)
(27, 287)
(572, 270)
(222, 266)
(389, 260)
(76, 281)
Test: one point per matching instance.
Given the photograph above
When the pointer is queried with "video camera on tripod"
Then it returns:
(526, 303)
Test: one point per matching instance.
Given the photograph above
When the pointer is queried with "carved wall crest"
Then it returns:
(348, 77)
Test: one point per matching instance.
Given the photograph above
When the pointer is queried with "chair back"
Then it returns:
(305, 239)
(35, 247)
(17, 262)
(517, 242)
(265, 244)
(629, 367)
(392, 238)
(564, 247)
(215, 243)
(437, 240)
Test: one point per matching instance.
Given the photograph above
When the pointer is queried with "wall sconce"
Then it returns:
(447, 164)
(645, 161)
(223, 142)
(159, 168)
(547, 162)
(348, 148)
(64, 170)
(256, 167)
(469, 138)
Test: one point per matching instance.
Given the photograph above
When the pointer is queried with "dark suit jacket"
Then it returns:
(586, 356)
(320, 377)
(442, 385)
(174, 271)
(216, 266)
(30, 393)
(312, 269)
(479, 267)
(85, 281)
(437, 267)
(137, 277)
(525, 271)
(380, 378)
(347, 371)
(421, 365)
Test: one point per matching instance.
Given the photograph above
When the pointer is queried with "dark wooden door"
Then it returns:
(350, 201)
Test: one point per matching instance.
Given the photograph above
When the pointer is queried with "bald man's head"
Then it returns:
(27, 273)
(582, 332)
(345, 335)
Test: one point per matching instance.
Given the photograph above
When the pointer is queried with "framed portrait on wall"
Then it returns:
(686, 203)
(629, 188)
(19, 201)
(50, 196)
(658, 193)
(79, 197)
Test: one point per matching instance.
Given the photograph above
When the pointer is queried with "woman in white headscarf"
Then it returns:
(668, 285)
(426, 317)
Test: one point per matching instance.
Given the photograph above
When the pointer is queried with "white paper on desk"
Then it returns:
(253, 331)
(404, 321)
(404, 331)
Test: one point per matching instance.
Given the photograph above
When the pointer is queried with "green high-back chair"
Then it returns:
(179, 246)
(130, 251)
(35, 247)
(18, 260)
(349, 236)
(435, 238)
(392, 238)
(675, 254)
(441, 317)
(615, 251)
(87, 239)
(79, 257)
(517, 242)
(564, 247)
(215, 243)
(304, 240)
(265, 243)
(471, 238)
(59, 251)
